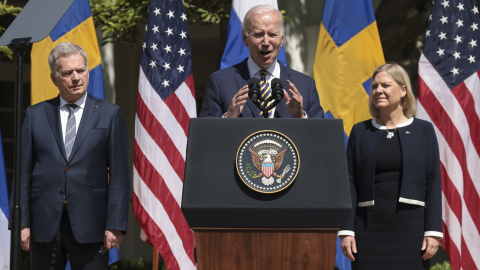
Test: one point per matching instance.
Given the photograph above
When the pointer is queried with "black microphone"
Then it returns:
(277, 89)
(254, 89)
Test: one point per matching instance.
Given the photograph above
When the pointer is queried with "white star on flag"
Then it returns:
(449, 97)
(165, 104)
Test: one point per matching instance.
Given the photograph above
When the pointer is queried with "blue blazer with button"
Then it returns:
(225, 83)
(95, 179)
(421, 178)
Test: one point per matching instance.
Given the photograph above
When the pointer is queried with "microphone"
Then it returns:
(254, 89)
(277, 89)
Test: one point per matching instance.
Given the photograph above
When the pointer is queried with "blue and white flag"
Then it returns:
(4, 210)
(235, 50)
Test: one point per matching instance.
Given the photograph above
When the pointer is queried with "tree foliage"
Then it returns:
(119, 20)
(208, 12)
(6, 11)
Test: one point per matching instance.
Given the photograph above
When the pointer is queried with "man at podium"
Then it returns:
(227, 91)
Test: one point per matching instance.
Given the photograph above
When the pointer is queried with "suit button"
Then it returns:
(61, 191)
(67, 169)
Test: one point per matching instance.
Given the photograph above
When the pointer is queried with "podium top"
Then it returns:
(215, 196)
(36, 20)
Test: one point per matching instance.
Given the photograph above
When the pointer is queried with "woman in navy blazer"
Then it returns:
(395, 182)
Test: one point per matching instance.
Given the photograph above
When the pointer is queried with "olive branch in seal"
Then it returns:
(249, 170)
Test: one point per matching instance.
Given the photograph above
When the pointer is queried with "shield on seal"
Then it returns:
(267, 169)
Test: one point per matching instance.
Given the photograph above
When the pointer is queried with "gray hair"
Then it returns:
(64, 49)
(247, 22)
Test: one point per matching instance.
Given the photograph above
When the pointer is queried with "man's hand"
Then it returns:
(238, 101)
(430, 245)
(112, 239)
(25, 238)
(349, 246)
(294, 103)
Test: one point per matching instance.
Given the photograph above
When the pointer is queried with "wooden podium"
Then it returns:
(280, 249)
(236, 227)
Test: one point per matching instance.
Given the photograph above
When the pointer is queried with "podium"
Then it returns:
(239, 227)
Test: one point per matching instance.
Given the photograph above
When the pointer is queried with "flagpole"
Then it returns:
(20, 46)
(155, 259)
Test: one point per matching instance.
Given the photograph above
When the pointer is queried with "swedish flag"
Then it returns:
(348, 51)
(75, 26)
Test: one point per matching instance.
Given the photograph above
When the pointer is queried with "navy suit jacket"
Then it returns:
(421, 182)
(225, 83)
(95, 179)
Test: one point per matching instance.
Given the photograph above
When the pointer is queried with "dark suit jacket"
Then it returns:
(421, 179)
(225, 83)
(96, 177)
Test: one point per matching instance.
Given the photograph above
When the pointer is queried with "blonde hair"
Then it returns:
(401, 78)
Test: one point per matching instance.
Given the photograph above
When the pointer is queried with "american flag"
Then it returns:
(165, 104)
(449, 97)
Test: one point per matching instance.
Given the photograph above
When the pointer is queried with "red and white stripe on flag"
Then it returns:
(449, 97)
(165, 104)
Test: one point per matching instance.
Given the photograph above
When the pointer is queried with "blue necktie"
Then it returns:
(265, 90)
(71, 130)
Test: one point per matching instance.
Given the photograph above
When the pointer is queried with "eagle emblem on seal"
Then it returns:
(267, 161)
(267, 157)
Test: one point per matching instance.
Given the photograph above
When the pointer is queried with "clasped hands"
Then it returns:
(294, 103)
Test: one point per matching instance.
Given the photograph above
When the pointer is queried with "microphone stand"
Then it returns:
(257, 99)
(257, 102)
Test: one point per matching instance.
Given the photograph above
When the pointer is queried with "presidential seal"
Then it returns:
(267, 161)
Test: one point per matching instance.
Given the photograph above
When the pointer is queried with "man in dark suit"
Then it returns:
(75, 179)
(263, 33)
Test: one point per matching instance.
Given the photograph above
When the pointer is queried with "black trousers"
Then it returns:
(54, 255)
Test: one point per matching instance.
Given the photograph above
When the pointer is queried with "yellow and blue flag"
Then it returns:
(75, 26)
(348, 51)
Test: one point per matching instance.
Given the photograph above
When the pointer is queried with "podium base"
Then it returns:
(265, 248)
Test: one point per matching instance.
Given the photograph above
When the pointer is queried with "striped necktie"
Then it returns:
(71, 130)
(265, 90)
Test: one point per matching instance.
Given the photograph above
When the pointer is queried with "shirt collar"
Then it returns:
(253, 68)
(404, 124)
(80, 102)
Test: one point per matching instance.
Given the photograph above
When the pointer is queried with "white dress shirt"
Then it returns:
(78, 113)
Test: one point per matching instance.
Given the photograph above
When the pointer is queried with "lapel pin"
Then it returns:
(407, 132)
(95, 106)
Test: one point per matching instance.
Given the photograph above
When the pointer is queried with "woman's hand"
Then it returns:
(430, 245)
(349, 246)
